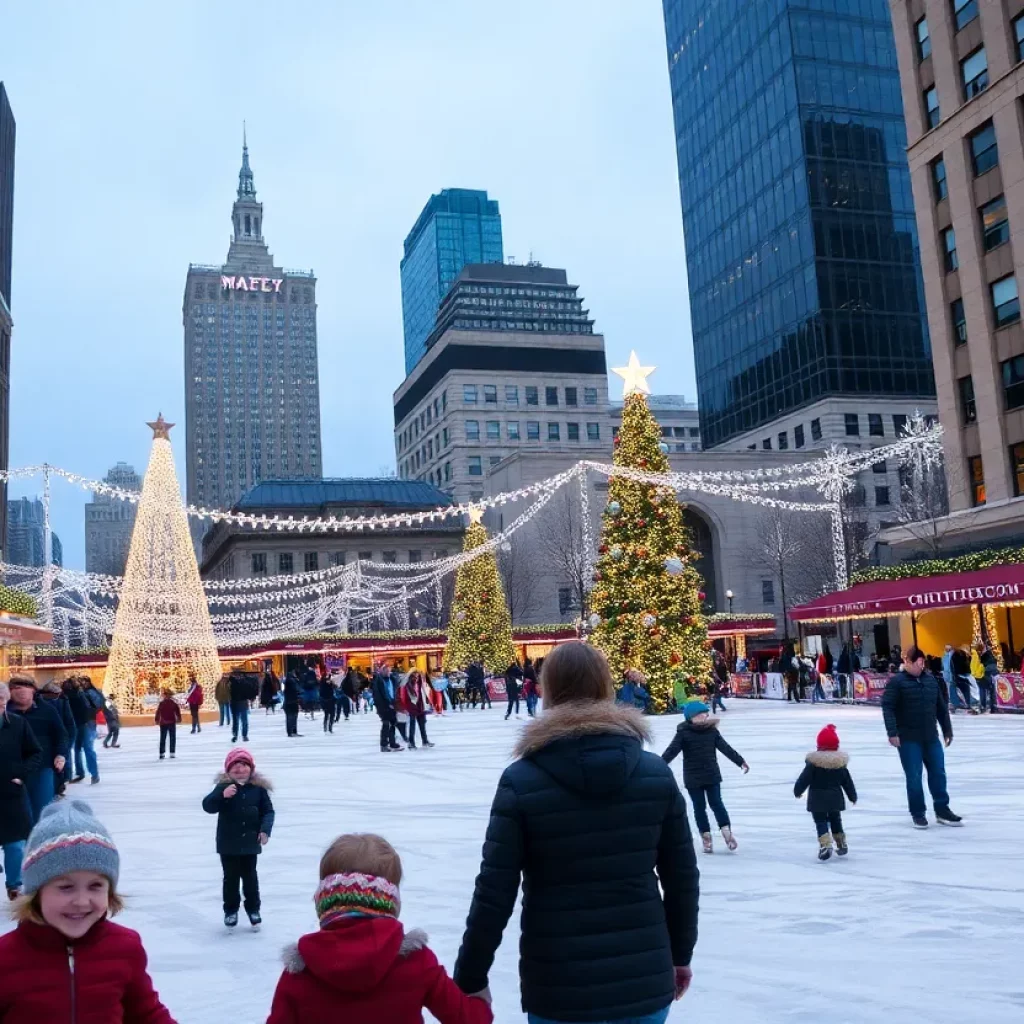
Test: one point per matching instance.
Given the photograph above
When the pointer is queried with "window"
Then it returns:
(995, 226)
(881, 496)
(931, 107)
(815, 430)
(899, 423)
(554, 432)
(798, 436)
(474, 466)
(365, 556)
(312, 561)
(879, 467)
(338, 558)
(512, 430)
(469, 394)
(964, 12)
(415, 556)
(924, 41)
(491, 394)
(767, 592)
(447, 472)
(1005, 303)
(570, 396)
(939, 179)
(694, 431)
(493, 430)
(949, 259)
(511, 394)
(1017, 468)
(531, 396)
(783, 441)
(285, 563)
(1018, 36)
(551, 396)
(590, 396)
(984, 149)
(875, 426)
(1013, 382)
(976, 476)
(974, 70)
(956, 313)
(593, 431)
(565, 600)
(858, 496)
(532, 430)
(572, 431)
(766, 444)
(259, 564)
(968, 410)
(494, 459)
(472, 430)
(389, 556)
(852, 424)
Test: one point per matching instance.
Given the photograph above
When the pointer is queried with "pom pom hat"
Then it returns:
(828, 738)
(67, 838)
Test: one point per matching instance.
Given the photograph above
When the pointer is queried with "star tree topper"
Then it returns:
(161, 428)
(634, 376)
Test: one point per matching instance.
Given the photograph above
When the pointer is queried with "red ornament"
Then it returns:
(641, 522)
(603, 549)
(701, 595)
(674, 659)
(643, 463)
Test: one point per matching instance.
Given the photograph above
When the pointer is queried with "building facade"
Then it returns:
(7, 138)
(26, 535)
(513, 364)
(252, 390)
(679, 421)
(802, 249)
(457, 226)
(109, 523)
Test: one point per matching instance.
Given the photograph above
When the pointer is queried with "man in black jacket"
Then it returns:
(51, 735)
(912, 705)
(384, 705)
(292, 693)
(243, 690)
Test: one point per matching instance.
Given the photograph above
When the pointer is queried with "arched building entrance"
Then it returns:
(702, 540)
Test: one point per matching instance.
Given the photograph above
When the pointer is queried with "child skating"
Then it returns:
(245, 817)
(699, 741)
(825, 778)
(168, 715)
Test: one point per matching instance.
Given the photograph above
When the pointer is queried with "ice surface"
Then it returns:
(911, 924)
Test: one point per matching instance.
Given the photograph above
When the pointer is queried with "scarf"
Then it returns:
(341, 895)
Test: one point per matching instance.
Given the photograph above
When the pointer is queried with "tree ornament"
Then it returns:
(641, 523)
(648, 620)
(663, 448)
(701, 595)
(616, 554)
(613, 508)
(460, 616)
(674, 658)
(674, 566)
(594, 620)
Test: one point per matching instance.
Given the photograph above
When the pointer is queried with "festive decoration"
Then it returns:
(594, 620)
(650, 618)
(674, 566)
(18, 603)
(993, 635)
(162, 632)
(941, 566)
(634, 378)
(483, 630)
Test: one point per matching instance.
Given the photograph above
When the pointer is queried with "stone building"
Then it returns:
(109, 523)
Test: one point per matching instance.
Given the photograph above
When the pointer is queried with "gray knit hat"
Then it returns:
(68, 838)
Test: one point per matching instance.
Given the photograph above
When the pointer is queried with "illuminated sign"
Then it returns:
(251, 284)
(973, 594)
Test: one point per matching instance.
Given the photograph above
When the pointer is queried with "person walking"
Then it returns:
(913, 710)
(87, 701)
(292, 699)
(987, 682)
(844, 667)
(791, 672)
(20, 757)
(194, 699)
(168, 715)
(595, 828)
(512, 676)
(412, 701)
(384, 704)
(719, 681)
(54, 695)
(241, 690)
(349, 693)
(825, 779)
(222, 693)
(51, 736)
(327, 703)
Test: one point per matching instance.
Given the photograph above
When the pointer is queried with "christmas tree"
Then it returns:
(162, 632)
(481, 627)
(647, 595)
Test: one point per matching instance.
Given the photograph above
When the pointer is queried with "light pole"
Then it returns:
(729, 595)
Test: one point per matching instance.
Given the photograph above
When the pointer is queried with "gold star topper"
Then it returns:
(476, 514)
(161, 428)
(634, 376)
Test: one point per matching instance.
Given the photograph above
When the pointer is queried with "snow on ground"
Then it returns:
(911, 923)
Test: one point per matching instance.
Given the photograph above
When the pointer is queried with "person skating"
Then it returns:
(269, 689)
(55, 696)
(49, 732)
(512, 676)
(987, 682)
(66, 961)
(168, 715)
(384, 704)
(242, 692)
(292, 703)
(326, 693)
(476, 684)
(531, 689)
(113, 717)
(411, 701)
(719, 682)
(913, 710)
(245, 819)
(350, 693)
(790, 668)
(361, 966)
(961, 665)
(825, 779)
(222, 693)
(699, 741)
(194, 700)
(85, 701)
(20, 757)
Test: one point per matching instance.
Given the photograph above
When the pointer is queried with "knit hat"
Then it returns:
(695, 708)
(828, 738)
(239, 754)
(355, 893)
(68, 838)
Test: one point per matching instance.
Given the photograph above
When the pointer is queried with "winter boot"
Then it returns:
(841, 848)
(705, 838)
(730, 839)
(230, 920)
(825, 846)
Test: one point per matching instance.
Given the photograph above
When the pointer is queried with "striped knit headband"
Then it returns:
(354, 893)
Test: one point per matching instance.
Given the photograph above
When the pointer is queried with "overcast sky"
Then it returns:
(129, 142)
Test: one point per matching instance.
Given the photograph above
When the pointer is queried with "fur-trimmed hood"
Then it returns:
(828, 758)
(260, 781)
(581, 718)
(711, 722)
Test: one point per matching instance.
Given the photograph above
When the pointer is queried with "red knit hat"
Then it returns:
(241, 755)
(828, 738)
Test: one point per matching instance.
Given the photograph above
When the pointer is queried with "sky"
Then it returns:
(129, 129)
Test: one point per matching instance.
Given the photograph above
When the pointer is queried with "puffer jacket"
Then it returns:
(97, 979)
(44, 720)
(699, 745)
(242, 818)
(20, 758)
(977, 669)
(911, 707)
(591, 823)
(825, 778)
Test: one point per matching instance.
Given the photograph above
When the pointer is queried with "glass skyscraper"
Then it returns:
(457, 226)
(801, 243)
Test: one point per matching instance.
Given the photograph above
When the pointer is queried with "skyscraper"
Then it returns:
(802, 249)
(252, 390)
(26, 534)
(109, 523)
(457, 226)
(7, 131)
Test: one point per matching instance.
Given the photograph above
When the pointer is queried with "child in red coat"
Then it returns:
(168, 714)
(362, 966)
(66, 961)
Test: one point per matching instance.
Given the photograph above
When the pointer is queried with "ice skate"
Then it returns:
(730, 839)
(944, 816)
(841, 848)
(230, 920)
(255, 920)
(825, 847)
(705, 838)
(920, 821)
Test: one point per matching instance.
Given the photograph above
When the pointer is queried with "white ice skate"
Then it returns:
(730, 839)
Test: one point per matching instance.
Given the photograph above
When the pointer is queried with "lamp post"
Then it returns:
(729, 595)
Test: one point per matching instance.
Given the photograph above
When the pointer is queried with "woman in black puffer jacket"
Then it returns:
(592, 824)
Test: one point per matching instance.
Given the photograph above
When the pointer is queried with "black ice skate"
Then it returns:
(230, 920)
(920, 821)
(944, 816)
(255, 920)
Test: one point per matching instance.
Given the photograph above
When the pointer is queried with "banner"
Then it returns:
(496, 688)
(1010, 691)
(741, 684)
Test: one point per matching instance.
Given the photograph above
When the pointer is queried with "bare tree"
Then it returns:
(924, 505)
(519, 577)
(560, 541)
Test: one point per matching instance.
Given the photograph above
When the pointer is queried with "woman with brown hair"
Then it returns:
(595, 826)
(411, 700)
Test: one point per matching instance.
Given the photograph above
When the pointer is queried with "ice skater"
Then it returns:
(113, 717)
(168, 715)
(825, 779)
(245, 818)
(699, 741)
(411, 704)
(194, 700)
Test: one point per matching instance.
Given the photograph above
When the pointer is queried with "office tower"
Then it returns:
(512, 364)
(109, 523)
(252, 392)
(7, 133)
(802, 250)
(457, 226)
(26, 534)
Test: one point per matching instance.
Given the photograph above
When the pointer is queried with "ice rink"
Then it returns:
(911, 925)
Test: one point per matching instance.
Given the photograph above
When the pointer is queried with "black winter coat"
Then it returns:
(825, 778)
(81, 710)
(911, 707)
(292, 690)
(48, 730)
(63, 708)
(474, 676)
(326, 690)
(243, 689)
(242, 818)
(960, 663)
(20, 758)
(591, 823)
(699, 745)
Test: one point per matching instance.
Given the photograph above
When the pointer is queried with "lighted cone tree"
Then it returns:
(647, 597)
(162, 631)
(480, 628)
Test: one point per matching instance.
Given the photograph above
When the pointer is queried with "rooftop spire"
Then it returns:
(246, 187)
